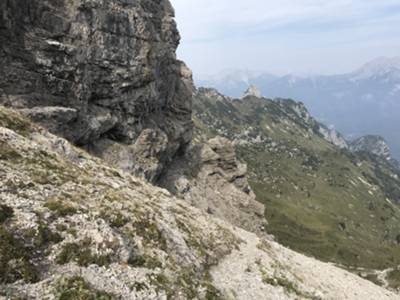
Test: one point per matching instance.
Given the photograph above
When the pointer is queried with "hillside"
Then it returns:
(72, 227)
(320, 199)
(370, 92)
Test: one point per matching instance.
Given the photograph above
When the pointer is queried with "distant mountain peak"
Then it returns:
(252, 91)
(378, 67)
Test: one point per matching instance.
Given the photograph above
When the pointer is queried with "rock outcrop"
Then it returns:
(372, 144)
(252, 91)
(332, 136)
(99, 73)
(209, 177)
(72, 227)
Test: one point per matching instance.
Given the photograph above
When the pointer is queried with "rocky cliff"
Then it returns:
(372, 144)
(102, 74)
(211, 178)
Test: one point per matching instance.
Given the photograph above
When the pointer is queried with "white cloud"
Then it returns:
(285, 34)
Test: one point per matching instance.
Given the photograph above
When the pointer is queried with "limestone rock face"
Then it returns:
(373, 144)
(97, 70)
(210, 177)
(332, 136)
(252, 91)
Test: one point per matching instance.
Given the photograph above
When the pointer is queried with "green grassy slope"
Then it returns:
(320, 200)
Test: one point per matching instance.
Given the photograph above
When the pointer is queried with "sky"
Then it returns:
(286, 36)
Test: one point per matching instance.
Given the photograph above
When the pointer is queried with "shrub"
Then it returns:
(75, 288)
(5, 213)
(15, 259)
(60, 209)
(82, 254)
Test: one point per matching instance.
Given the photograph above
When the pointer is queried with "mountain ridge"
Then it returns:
(320, 198)
(370, 92)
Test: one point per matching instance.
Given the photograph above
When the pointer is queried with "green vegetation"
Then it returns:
(288, 285)
(146, 227)
(115, 219)
(8, 153)
(187, 283)
(145, 261)
(15, 122)
(60, 209)
(15, 259)
(82, 254)
(19, 248)
(75, 288)
(6, 212)
(372, 277)
(139, 286)
(275, 280)
(320, 200)
(45, 236)
(393, 279)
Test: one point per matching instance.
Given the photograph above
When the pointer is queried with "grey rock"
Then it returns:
(372, 144)
(332, 136)
(252, 91)
(210, 178)
(55, 118)
(93, 70)
(143, 158)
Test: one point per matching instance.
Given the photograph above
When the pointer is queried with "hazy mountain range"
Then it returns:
(365, 101)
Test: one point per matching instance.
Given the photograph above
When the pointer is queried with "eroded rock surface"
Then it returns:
(98, 72)
(211, 178)
(372, 144)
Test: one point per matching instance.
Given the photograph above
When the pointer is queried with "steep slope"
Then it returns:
(73, 228)
(102, 74)
(320, 199)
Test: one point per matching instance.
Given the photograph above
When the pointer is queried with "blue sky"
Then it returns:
(286, 36)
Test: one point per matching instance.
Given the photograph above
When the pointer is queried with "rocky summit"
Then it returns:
(105, 195)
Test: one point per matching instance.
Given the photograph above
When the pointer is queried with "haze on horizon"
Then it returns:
(287, 36)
